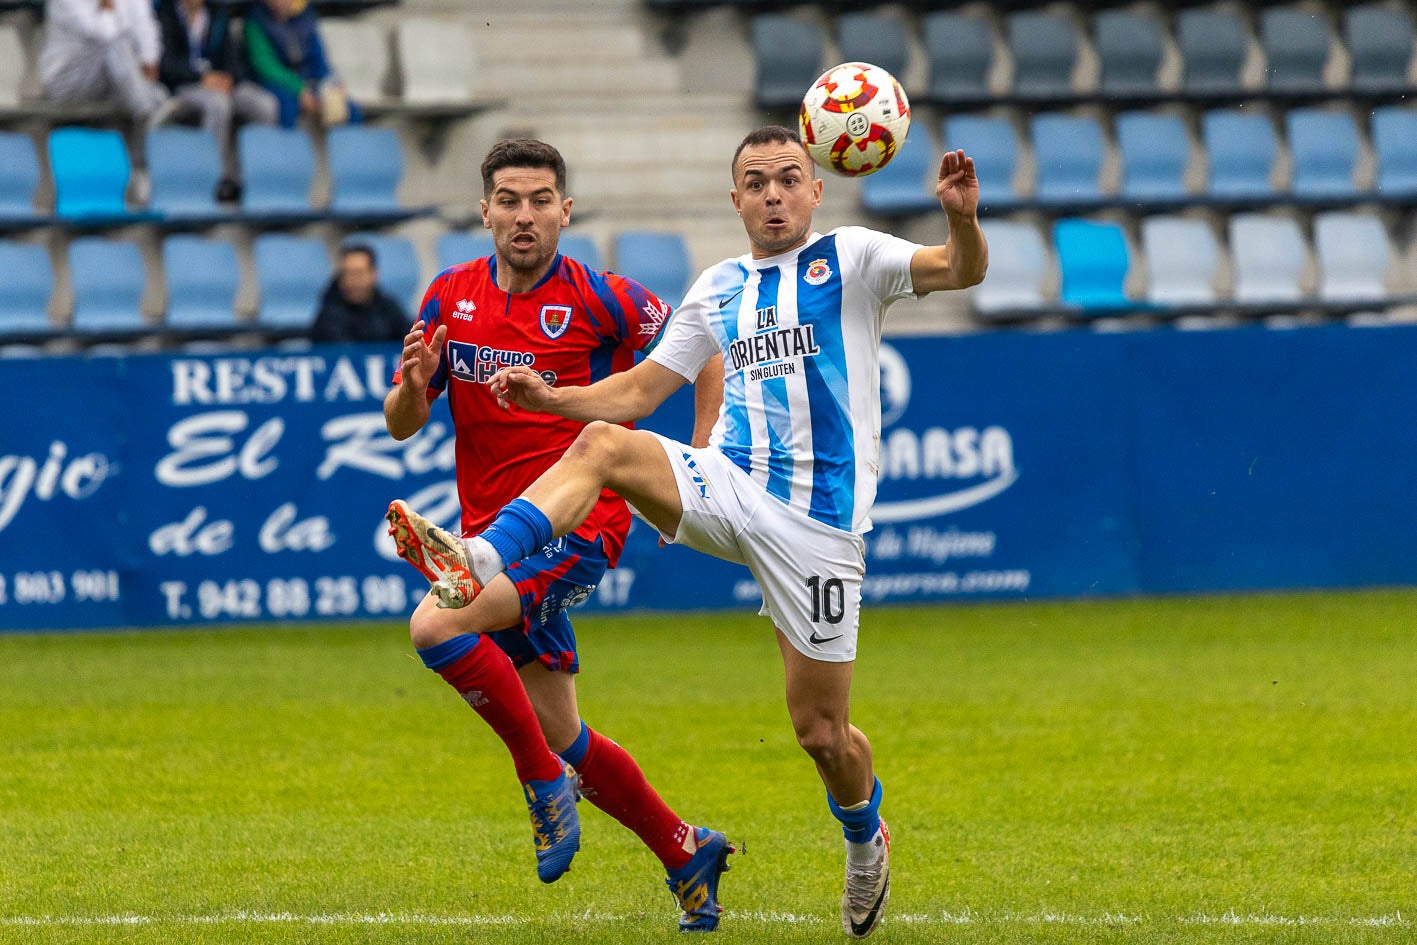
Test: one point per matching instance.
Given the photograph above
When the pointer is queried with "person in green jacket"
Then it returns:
(286, 56)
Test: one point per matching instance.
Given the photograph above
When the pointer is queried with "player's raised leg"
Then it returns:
(818, 700)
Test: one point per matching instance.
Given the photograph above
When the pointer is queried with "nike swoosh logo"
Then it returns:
(861, 928)
(818, 641)
(722, 303)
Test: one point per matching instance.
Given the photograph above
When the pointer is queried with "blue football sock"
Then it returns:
(519, 530)
(449, 651)
(859, 825)
(574, 755)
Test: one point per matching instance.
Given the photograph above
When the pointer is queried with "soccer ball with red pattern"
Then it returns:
(854, 119)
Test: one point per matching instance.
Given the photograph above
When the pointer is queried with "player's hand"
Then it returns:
(958, 187)
(522, 386)
(421, 359)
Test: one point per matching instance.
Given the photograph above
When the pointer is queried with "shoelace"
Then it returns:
(861, 881)
(546, 820)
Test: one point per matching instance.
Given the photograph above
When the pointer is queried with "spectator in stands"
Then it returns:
(202, 66)
(353, 307)
(287, 56)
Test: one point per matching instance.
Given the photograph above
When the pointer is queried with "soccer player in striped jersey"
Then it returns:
(511, 654)
(787, 481)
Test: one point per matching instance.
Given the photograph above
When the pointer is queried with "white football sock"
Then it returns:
(868, 853)
(482, 559)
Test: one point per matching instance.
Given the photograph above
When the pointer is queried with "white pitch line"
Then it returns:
(967, 917)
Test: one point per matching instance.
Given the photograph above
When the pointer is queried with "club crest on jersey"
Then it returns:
(817, 272)
(555, 319)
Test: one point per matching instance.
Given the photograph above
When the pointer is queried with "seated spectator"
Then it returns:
(203, 68)
(286, 56)
(354, 308)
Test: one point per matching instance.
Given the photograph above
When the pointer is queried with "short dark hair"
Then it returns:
(522, 152)
(349, 249)
(770, 134)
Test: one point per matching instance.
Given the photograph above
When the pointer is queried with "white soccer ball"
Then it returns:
(854, 118)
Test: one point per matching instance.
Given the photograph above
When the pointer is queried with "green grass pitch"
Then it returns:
(1227, 769)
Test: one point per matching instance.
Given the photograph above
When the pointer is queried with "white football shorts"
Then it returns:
(810, 573)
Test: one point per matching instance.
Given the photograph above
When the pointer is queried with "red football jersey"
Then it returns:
(577, 326)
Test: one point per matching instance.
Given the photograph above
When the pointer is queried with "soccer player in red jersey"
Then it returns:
(511, 653)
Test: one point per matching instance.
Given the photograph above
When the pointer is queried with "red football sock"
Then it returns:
(485, 677)
(612, 781)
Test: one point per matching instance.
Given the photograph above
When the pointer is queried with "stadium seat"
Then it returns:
(1213, 44)
(366, 168)
(12, 66)
(582, 249)
(1242, 149)
(359, 50)
(203, 278)
(399, 271)
(1182, 257)
(1325, 149)
(185, 166)
(291, 272)
(1018, 267)
(993, 143)
(1069, 150)
(960, 49)
(1380, 42)
(1354, 254)
(906, 185)
(1296, 45)
(1155, 150)
(873, 36)
(457, 247)
(1045, 49)
(1395, 142)
(278, 165)
(438, 61)
(1130, 45)
(1268, 258)
(788, 52)
(26, 283)
(19, 176)
(1093, 260)
(90, 169)
(658, 261)
(108, 278)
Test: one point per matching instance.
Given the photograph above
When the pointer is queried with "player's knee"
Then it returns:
(596, 444)
(430, 626)
(823, 740)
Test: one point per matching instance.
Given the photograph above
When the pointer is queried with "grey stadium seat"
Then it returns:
(960, 49)
(1130, 45)
(1380, 40)
(1045, 49)
(1296, 45)
(1213, 45)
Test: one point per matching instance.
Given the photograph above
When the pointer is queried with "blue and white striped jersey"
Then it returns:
(800, 335)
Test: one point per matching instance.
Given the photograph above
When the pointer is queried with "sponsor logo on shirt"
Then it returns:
(477, 363)
(778, 346)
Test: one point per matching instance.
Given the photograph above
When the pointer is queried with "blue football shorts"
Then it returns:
(558, 577)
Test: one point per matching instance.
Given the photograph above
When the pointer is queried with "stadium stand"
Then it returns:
(456, 247)
(203, 277)
(873, 36)
(185, 167)
(960, 50)
(1395, 146)
(399, 272)
(13, 63)
(1296, 45)
(278, 167)
(1130, 45)
(789, 53)
(1018, 268)
(1269, 259)
(581, 248)
(1213, 43)
(291, 271)
(1380, 40)
(994, 144)
(19, 178)
(1354, 255)
(90, 168)
(1044, 46)
(366, 168)
(1182, 258)
(906, 185)
(1069, 150)
(1325, 147)
(1242, 150)
(659, 261)
(1093, 261)
(1155, 150)
(26, 283)
(108, 280)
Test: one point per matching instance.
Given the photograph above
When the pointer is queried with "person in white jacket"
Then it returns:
(102, 50)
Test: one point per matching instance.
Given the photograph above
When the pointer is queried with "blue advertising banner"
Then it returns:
(156, 490)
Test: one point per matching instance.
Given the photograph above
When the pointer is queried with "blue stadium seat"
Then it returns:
(26, 282)
(399, 272)
(582, 249)
(1069, 150)
(1155, 150)
(19, 176)
(278, 166)
(1296, 45)
(658, 261)
(1093, 259)
(1213, 43)
(1045, 50)
(291, 272)
(1395, 141)
(1354, 254)
(108, 278)
(457, 247)
(203, 278)
(788, 51)
(185, 166)
(1380, 41)
(1130, 45)
(366, 168)
(960, 49)
(1325, 149)
(993, 143)
(906, 185)
(1018, 267)
(90, 168)
(1242, 149)
(1182, 259)
(875, 37)
(1268, 258)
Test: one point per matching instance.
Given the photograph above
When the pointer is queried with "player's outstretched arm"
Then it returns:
(620, 398)
(963, 259)
(406, 406)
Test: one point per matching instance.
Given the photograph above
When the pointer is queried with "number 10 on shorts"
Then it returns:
(828, 599)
